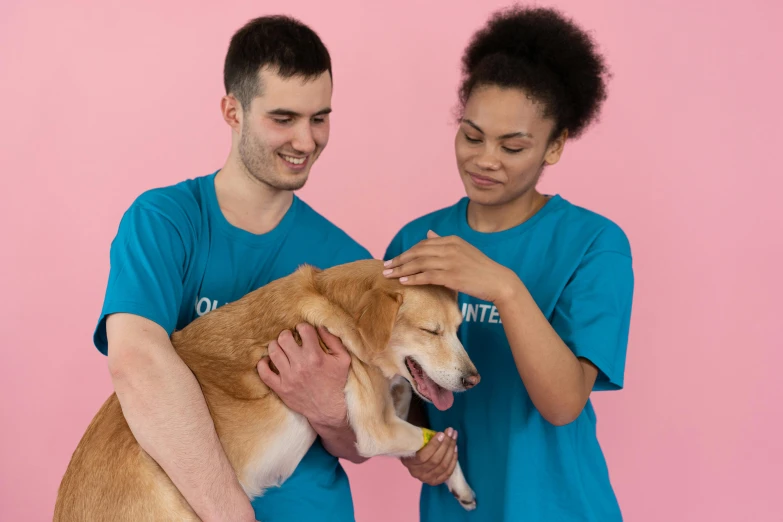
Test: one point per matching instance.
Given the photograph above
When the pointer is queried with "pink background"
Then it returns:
(100, 103)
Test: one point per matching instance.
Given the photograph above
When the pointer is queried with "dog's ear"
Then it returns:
(377, 312)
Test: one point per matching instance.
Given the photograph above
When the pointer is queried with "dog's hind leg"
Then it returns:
(276, 452)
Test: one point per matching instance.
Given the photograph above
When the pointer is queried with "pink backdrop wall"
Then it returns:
(100, 103)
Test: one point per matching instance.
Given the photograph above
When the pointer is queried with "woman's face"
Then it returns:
(502, 144)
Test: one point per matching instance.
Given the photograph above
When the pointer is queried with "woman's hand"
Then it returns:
(434, 463)
(455, 264)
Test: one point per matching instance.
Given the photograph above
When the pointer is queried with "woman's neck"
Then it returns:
(496, 218)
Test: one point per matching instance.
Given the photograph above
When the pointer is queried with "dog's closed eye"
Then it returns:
(432, 331)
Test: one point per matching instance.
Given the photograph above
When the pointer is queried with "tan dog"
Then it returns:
(389, 330)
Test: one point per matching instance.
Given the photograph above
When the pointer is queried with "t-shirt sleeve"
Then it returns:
(344, 249)
(148, 258)
(593, 313)
(351, 252)
(395, 248)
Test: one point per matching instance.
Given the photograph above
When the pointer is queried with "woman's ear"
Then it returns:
(555, 149)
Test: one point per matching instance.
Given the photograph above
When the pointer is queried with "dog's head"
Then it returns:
(412, 331)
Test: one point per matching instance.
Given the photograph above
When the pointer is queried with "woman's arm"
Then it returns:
(558, 382)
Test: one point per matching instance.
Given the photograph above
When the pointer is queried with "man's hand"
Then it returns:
(434, 463)
(309, 381)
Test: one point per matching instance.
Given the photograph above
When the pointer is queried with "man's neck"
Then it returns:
(248, 203)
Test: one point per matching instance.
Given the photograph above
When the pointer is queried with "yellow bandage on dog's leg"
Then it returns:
(427, 434)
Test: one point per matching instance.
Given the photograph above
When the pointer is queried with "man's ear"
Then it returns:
(377, 313)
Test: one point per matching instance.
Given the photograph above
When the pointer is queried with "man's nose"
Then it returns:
(304, 141)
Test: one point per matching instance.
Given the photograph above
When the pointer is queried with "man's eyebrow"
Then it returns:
(503, 137)
(294, 114)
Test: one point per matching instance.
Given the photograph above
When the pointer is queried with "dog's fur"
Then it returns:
(380, 322)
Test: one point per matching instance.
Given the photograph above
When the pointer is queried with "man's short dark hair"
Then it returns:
(279, 42)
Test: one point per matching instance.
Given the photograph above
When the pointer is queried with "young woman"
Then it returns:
(545, 286)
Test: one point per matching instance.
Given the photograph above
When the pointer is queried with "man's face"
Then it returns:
(285, 129)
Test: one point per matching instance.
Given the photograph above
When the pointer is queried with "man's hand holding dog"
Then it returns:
(311, 382)
(434, 463)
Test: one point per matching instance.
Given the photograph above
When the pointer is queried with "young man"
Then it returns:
(183, 250)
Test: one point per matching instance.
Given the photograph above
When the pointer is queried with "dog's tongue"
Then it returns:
(443, 399)
(440, 397)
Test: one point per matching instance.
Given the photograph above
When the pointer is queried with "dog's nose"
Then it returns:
(471, 380)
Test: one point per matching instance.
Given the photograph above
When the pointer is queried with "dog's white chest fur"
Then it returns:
(277, 457)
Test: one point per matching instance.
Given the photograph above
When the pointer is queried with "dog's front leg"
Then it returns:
(459, 487)
(388, 436)
(398, 438)
(372, 414)
(375, 416)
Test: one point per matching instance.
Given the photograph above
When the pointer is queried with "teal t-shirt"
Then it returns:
(577, 266)
(176, 257)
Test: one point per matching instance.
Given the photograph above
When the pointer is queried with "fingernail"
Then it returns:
(403, 279)
(387, 272)
(455, 449)
(449, 432)
(387, 263)
(454, 435)
(440, 437)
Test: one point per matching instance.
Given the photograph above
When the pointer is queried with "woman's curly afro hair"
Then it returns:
(544, 54)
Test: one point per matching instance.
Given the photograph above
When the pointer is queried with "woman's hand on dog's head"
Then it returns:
(434, 463)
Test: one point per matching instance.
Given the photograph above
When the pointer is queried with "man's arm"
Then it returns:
(339, 440)
(166, 411)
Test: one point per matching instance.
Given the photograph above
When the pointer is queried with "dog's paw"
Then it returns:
(466, 497)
